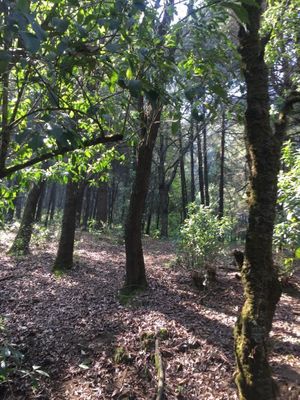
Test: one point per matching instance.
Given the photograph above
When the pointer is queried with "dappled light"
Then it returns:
(149, 200)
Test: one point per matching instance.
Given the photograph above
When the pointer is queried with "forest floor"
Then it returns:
(93, 345)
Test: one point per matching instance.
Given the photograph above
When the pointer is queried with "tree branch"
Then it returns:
(57, 152)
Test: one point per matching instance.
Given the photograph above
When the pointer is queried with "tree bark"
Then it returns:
(38, 215)
(87, 208)
(135, 266)
(81, 189)
(259, 276)
(200, 167)
(192, 161)
(205, 166)
(222, 170)
(64, 257)
(183, 180)
(51, 204)
(102, 205)
(21, 243)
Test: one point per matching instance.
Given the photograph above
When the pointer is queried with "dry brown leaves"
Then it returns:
(93, 347)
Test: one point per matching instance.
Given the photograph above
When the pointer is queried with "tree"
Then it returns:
(150, 112)
(259, 275)
(21, 242)
(64, 257)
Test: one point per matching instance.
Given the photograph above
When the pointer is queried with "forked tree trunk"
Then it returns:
(21, 243)
(64, 257)
(135, 266)
(261, 286)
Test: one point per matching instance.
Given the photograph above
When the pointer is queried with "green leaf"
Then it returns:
(129, 74)
(297, 253)
(114, 78)
(31, 41)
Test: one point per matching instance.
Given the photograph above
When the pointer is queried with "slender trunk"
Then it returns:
(222, 162)
(87, 208)
(79, 203)
(39, 210)
(149, 218)
(21, 243)
(261, 286)
(52, 196)
(5, 130)
(164, 211)
(200, 167)
(163, 197)
(183, 180)
(102, 205)
(113, 193)
(205, 166)
(64, 257)
(135, 266)
(192, 162)
(18, 205)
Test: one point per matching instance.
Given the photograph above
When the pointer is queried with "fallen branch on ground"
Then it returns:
(160, 372)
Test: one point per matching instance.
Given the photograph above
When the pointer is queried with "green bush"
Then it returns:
(202, 236)
(287, 228)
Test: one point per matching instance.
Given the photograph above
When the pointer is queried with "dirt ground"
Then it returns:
(94, 345)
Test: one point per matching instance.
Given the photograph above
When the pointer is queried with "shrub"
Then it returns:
(287, 228)
(202, 236)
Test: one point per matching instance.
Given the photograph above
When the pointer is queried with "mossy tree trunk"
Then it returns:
(261, 286)
(21, 243)
(64, 257)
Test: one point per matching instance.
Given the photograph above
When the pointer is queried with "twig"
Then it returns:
(160, 372)
(11, 277)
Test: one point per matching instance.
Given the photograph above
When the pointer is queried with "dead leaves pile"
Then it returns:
(93, 345)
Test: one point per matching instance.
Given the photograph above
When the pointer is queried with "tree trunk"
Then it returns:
(102, 205)
(222, 162)
(87, 208)
(51, 204)
(81, 189)
(183, 180)
(150, 211)
(135, 266)
(38, 215)
(261, 286)
(164, 210)
(192, 161)
(200, 167)
(163, 195)
(205, 166)
(64, 257)
(113, 194)
(21, 243)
